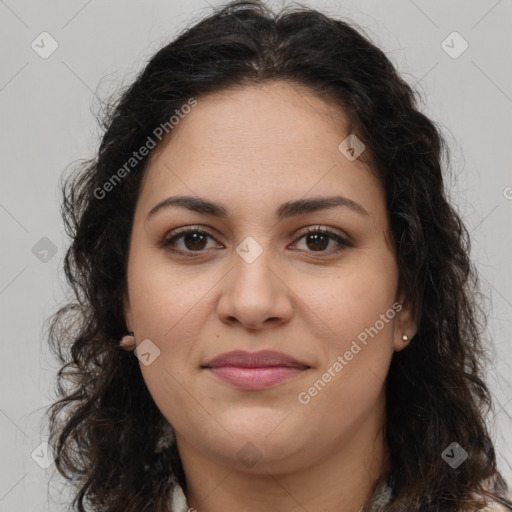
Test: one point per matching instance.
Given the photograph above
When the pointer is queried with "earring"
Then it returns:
(128, 341)
(405, 338)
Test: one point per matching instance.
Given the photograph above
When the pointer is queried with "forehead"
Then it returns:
(257, 143)
(271, 115)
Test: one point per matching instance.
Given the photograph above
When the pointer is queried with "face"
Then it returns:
(254, 280)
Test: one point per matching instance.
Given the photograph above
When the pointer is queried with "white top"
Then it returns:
(179, 501)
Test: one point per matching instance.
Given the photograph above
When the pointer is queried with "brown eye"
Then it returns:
(317, 240)
(194, 240)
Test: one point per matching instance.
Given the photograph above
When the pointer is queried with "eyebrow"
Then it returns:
(286, 210)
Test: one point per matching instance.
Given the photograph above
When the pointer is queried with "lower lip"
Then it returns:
(255, 378)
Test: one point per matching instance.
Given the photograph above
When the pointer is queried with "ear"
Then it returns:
(405, 324)
(127, 310)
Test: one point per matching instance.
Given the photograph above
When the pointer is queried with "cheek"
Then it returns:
(358, 309)
(169, 308)
(355, 298)
(348, 385)
(165, 299)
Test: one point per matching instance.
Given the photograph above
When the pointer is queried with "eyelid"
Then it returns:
(320, 228)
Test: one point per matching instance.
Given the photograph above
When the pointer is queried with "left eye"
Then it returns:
(317, 239)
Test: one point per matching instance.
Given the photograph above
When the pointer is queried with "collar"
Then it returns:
(179, 501)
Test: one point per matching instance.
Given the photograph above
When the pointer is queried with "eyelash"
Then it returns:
(168, 241)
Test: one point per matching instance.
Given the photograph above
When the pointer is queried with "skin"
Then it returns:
(252, 149)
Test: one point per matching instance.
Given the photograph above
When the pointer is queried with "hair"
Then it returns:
(106, 429)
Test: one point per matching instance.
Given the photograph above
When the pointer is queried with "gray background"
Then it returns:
(47, 124)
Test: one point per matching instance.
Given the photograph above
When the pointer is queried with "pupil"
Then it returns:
(315, 238)
(195, 238)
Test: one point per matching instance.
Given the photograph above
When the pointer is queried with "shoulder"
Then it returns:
(494, 506)
(178, 499)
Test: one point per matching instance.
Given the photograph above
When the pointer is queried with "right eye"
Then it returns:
(194, 240)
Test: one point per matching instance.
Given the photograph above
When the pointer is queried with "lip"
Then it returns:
(263, 358)
(255, 370)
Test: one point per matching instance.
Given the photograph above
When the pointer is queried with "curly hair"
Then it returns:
(104, 425)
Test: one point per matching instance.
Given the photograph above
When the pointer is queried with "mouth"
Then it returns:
(256, 370)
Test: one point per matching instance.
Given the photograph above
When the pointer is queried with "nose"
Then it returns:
(255, 293)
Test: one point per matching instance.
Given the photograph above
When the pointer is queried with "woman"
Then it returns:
(266, 224)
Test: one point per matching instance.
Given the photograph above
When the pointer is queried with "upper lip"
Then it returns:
(264, 358)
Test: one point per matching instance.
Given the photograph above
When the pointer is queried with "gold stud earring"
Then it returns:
(128, 341)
